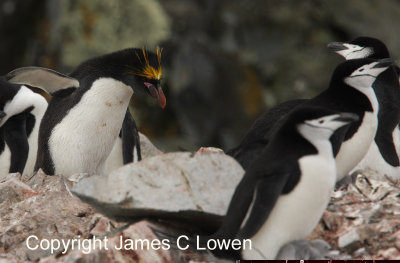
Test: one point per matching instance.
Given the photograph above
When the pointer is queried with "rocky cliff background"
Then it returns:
(225, 61)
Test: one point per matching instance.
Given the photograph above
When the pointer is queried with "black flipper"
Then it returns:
(137, 141)
(267, 193)
(16, 138)
(130, 139)
(388, 95)
(237, 210)
(127, 138)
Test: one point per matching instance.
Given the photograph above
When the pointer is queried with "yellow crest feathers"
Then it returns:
(148, 71)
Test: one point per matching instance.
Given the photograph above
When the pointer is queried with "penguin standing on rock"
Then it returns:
(285, 191)
(81, 125)
(383, 154)
(22, 111)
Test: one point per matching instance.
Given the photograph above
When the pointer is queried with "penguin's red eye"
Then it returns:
(321, 121)
(361, 70)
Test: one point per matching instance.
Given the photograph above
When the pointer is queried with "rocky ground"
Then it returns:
(363, 221)
(185, 194)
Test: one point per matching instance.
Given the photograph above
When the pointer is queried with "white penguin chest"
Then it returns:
(82, 141)
(5, 161)
(297, 213)
(374, 165)
(353, 150)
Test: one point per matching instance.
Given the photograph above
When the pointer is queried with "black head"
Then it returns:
(361, 47)
(359, 73)
(138, 68)
(7, 91)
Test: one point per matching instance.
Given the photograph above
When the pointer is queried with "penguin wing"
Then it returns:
(15, 136)
(267, 192)
(43, 78)
(237, 209)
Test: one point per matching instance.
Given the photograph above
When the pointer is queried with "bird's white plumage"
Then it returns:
(83, 140)
(354, 51)
(374, 164)
(5, 161)
(353, 150)
(115, 159)
(40, 107)
(296, 214)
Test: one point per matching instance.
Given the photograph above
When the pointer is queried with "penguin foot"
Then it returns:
(344, 183)
(304, 249)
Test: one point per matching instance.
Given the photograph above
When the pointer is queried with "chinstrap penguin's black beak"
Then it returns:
(336, 46)
(157, 93)
(384, 63)
(347, 117)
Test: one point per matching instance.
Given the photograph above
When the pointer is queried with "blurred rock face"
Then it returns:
(205, 92)
(91, 28)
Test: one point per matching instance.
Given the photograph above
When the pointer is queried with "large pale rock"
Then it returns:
(185, 186)
(147, 147)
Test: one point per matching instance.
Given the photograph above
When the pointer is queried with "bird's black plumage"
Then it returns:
(16, 132)
(258, 136)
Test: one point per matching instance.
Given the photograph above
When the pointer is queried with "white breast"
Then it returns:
(5, 161)
(296, 214)
(115, 159)
(82, 141)
(40, 106)
(375, 166)
(353, 150)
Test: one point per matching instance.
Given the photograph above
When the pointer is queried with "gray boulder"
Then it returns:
(184, 186)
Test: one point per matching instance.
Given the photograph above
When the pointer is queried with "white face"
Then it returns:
(320, 128)
(354, 51)
(364, 76)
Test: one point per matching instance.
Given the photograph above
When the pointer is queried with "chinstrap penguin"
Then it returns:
(383, 155)
(81, 125)
(286, 189)
(343, 94)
